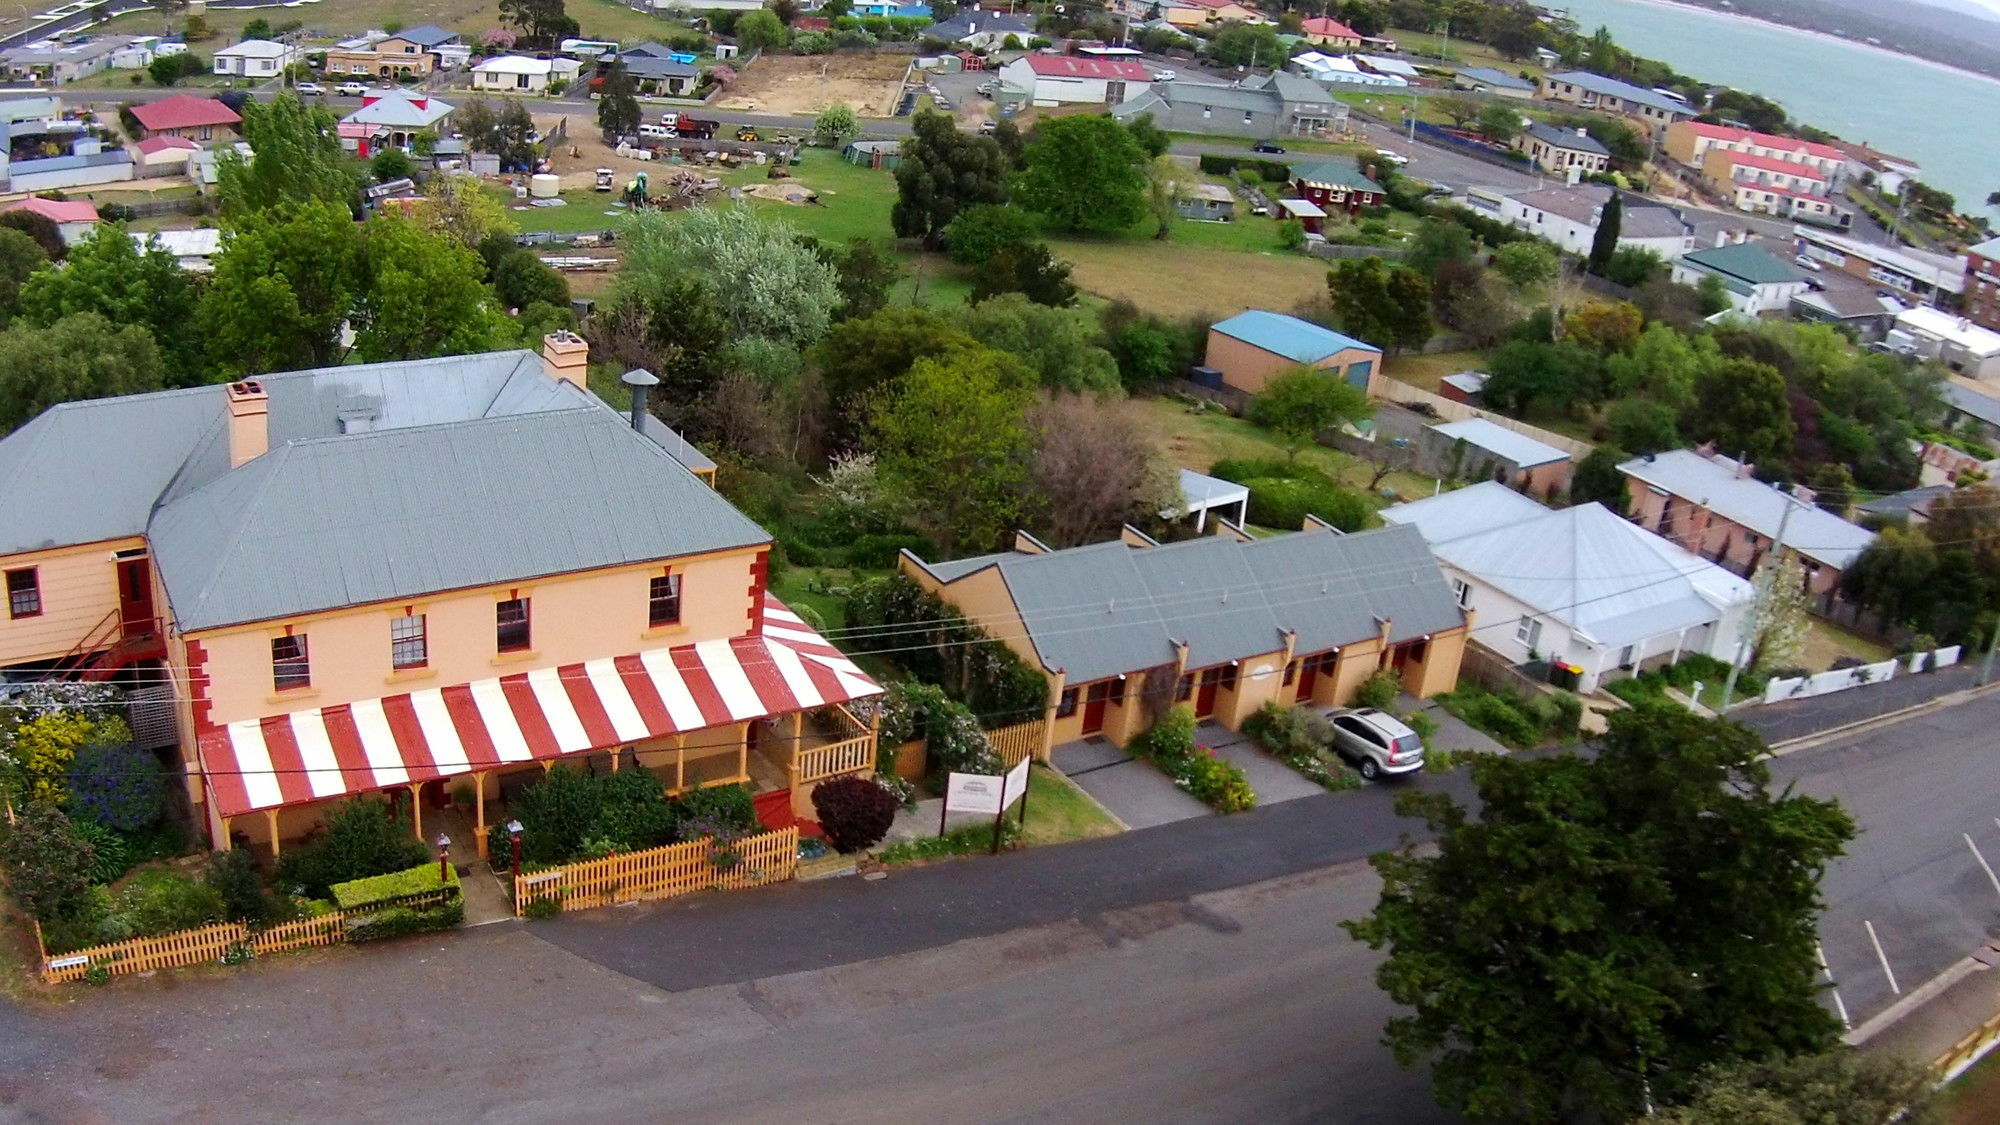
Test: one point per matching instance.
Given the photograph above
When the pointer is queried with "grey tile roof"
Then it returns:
(646, 66)
(427, 36)
(1567, 138)
(1109, 608)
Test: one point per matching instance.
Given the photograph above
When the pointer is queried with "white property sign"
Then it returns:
(986, 792)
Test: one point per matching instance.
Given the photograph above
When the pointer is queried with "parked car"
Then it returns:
(1377, 743)
(351, 89)
(309, 89)
(1805, 263)
(1396, 158)
(1164, 76)
(1268, 146)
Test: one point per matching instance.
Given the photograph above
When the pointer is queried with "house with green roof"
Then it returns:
(1757, 281)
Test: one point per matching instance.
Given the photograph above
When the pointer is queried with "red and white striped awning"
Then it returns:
(330, 752)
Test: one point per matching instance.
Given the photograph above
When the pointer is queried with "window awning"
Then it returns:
(328, 752)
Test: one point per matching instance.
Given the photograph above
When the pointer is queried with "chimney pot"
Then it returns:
(566, 356)
(640, 381)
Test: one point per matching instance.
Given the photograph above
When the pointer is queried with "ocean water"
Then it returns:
(1946, 120)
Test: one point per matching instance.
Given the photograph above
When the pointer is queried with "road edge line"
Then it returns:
(1817, 738)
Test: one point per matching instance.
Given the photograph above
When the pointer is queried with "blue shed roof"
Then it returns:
(1300, 341)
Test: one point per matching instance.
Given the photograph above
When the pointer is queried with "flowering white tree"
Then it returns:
(769, 285)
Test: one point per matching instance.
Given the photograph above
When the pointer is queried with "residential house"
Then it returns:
(1964, 347)
(1226, 11)
(1499, 83)
(440, 44)
(1559, 150)
(256, 58)
(1337, 185)
(1756, 281)
(74, 218)
(1323, 31)
(1223, 623)
(1917, 276)
(1886, 173)
(1982, 284)
(163, 156)
(661, 71)
(523, 75)
(1910, 506)
(1580, 586)
(563, 590)
(1713, 506)
(1250, 347)
(391, 119)
(982, 30)
(193, 250)
(184, 115)
(1207, 107)
(89, 163)
(139, 52)
(380, 55)
(892, 9)
(1388, 67)
(1690, 142)
(1568, 217)
(1341, 70)
(1209, 202)
(37, 111)
(1484, 450)
(1970, 409)
(1052, 80)
(1769, 186)
(57, 61)
(1608, 95)
(1861, 311)
(1306, 108)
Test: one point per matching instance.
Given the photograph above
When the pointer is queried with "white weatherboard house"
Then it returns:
(1581, 586)
(256, 58)
(520, 73)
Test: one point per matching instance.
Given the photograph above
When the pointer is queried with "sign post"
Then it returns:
(986, 793)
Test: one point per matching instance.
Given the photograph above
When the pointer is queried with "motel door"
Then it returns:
(1093, 706)
(135, 597)
(1308, 677)
(1204, 697)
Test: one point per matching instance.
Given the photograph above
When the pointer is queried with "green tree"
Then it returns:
(1462, 110)
(1527, 263)
(1084, 173)
(1837, 1087)
(20, 258)
(1030, 270)
(767, 283)
(41, 228)
(867, 273)
(617, 103)
(1608, 926)
(259, 28)
(981, 232)
(1604, 242)
(1597, 479)
(952, 437)
(283, 284)
(944, 171)
(390, 164)
(1300, 402)
(1662, 365)
(1058, 345)
(1164, 194)
(541, 21)
(76, 358)
(1633, 266)
(858, 357)
(835, 124)
(108, 275)
(1151, 139)
(1385, 305)
(1642, 425)
(761, 30)
(1437, 242)
(296, 159)
(423, 295)
(48, 863)
(1743, 407)
(1533, 377)
(1243, 44)
(458, 205)
(523, 279)
(1499, 122)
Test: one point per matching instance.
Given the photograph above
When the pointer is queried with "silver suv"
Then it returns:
(1377, 743)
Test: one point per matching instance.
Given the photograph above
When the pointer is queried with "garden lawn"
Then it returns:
(1426, 372)
(1197, 439)
(1826, 642)
(1457, 50)
(1059, 812)
(791, 587)
(1183, 278)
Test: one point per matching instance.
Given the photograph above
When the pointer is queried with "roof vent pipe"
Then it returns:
(640, 380)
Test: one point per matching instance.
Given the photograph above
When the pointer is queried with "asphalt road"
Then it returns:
(1246, 1005)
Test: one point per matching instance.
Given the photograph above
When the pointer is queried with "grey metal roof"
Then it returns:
(1901, 504)
(1220, 96)
(1525, 452)
(1296, 89)
(1971, 403)
(336, 521)
(427, 35)
(1567, 138)
(1109, 608)
(1499, 79)
(647, 66)
(1713, 483)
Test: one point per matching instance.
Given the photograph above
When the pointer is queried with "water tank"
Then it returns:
(544, 186)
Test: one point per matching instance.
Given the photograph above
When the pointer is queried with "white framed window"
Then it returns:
(1461, 592)
(1529, 632)
(409, 644)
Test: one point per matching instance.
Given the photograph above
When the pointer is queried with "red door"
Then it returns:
(135, 598)
(1093, 707)
(1204, 696)
(1308, 676)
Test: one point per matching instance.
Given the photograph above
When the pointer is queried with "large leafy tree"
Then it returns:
(952, 437)
(1058, 345)
(20, 258)
(283, 284)
(770, 286)
(108, 275)
(1300, 402)
(857, 357)
(77, 357)
(1838, 1087)
(1385, 305)
(1095, 468)
(422, 295)
(1084, 173)
(1608, 926)
(541, 21)
(1741, 406)
(1604, 242)
(459, 205)
(296, 159)
(618, 103)
(944, 171)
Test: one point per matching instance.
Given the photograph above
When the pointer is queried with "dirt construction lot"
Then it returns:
(793, 84)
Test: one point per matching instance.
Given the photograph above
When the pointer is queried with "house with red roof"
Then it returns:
(1690, 142)
(1049, 80)
(1323, 31)
(73, 217)
(184, 115)
(163, 156)
(1771, 186)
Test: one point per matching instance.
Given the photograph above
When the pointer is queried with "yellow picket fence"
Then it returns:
(209, 944)
(675, 869)
(835, 758)
(1022, 740)
(1967, 1050)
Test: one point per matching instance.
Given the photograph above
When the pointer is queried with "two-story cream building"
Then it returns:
(394, 578)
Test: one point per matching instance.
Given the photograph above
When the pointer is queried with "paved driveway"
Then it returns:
(1131, 789)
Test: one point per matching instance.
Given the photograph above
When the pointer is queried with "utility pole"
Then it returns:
(1764, 583)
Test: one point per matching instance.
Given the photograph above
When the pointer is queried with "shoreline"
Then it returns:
(1739, 17)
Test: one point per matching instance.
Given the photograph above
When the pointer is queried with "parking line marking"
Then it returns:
(1983, 865)
(1839, 1005)
(1882, 957)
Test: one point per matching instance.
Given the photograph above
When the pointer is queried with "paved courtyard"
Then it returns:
(1131, 789)
(1269, 778)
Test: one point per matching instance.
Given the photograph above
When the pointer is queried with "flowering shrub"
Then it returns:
(1170, 746)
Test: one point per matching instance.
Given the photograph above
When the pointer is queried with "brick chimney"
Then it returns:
(249, 421)
(566, 356)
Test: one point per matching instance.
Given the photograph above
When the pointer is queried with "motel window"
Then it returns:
(1228, 677)
(1461, 592)
(663, 601)
(510, 620)
(1291, 673)
(1529, 632)
(1066, 706)
(24, 593)
(409, 647)
(289, 666)
(1185, 690)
